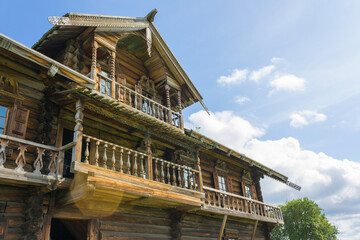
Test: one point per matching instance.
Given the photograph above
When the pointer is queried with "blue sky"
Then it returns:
(281, 78)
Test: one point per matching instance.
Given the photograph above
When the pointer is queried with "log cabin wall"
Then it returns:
(236, 175)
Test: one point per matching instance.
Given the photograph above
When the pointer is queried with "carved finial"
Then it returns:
(151, 15)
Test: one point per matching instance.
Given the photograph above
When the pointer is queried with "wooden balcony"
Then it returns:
(225, 203)
(137, 101)
(23, 162)
(110, 175)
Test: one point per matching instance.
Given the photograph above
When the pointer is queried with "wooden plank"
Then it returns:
(93, 229)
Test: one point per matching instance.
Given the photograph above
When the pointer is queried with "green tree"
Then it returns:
(304, 220)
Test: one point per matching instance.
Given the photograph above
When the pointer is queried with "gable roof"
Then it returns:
(72, 24)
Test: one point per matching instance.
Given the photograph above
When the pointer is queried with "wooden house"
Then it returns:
(93, 144)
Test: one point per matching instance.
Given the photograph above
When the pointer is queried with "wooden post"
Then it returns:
(222, 227)
(93, 229)
(149, 168)
(200, 183)
(112, 67)
(78, 131)
(94, 59)
(181, 122)
(255, 227)
(48, 217)
(168, 103)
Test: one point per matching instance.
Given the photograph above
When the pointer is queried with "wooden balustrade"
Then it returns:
(20, 152)
(120, 159)
(237, 203)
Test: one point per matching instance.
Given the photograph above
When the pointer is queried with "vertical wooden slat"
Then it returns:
(93, 229)
(222, 227)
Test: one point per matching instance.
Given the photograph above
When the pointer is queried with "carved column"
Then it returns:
(112, 67)
(200, 183)
(93, 62)
(180, 111)
(256, 178)
(78, 131)
(149, 167)
(168, 103)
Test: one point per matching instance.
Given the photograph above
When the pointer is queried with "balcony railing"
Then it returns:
(120, 159)
(28, 158)
(240, 204)
(140, 102)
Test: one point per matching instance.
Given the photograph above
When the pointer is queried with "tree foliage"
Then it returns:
(304, 220)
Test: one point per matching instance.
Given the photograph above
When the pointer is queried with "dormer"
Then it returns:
(128, 60)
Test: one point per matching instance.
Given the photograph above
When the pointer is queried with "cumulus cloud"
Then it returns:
(225, 127)
(306, 117)
(287, 82)
(256, 76)
(333, 183)
(241, 100)
(236, 77)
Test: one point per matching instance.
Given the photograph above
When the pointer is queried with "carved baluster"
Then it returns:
(142, 166)
(136, 101)
(106, 86)
(118, 93)
(183, 180)
(97, 153)
(128, 164)
(38, 164)
(124, 94)
(105, 157)
(20, 160)
(173, 175)
(168, 173)
(4, 144)
(156, 170)
(162, 175)
(158, 112)
(52, 165)
(113, 158)
(121, 160)
(153, 110)
(93, 60)
(135, 165)
(179, 175)
(87, 152)
(130, 102)
(189, 179)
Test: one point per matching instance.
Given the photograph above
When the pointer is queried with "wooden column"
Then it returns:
(78, 131)
(254, 232)
(200, 183)
(222, 227)
(176, 217)
(168, 103)
(48, 217)
(93, 62)
(112, 67)
(180, 110)
(149, 167)
(93, 229)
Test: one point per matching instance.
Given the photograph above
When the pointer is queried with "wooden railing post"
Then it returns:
(181, 123)
(168, 104)
(149, 167)
(78, 131)
(200, 180)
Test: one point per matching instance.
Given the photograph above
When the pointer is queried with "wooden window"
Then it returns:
(248, 192)
(3, 117)
(222, 183)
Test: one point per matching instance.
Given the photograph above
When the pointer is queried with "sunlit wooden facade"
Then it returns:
(93, 144)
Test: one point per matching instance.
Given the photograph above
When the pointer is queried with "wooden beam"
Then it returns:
(93, 229)
(255, 227)
(222, 227)
(48, 217)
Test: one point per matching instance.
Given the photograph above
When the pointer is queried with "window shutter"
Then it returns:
(18, 121)
(216, 180)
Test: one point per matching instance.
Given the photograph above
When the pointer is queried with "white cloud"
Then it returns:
(225, 127)
(287, 82)
(261, 73)
(241, 100)
(306, 117)
(236, 77)
(277, 60)
(332, 183)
